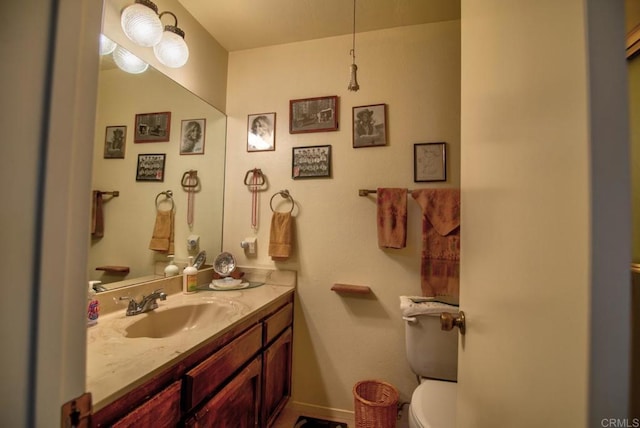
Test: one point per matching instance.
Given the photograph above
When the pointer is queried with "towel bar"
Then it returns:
(366, 192)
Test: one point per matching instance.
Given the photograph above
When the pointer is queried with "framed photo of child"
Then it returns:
(370, 125)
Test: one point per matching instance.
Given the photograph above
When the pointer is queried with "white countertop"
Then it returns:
(117, 364)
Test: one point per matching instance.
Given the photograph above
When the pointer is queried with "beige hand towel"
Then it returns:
(281, 236)
(440, 270)
(163, 232)
(392, 218)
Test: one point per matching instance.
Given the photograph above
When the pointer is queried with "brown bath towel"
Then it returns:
(97, 215)
(440, 270)
(392, 218)
(163, 232)
(281, 236)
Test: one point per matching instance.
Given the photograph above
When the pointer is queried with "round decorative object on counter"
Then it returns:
(224, 264)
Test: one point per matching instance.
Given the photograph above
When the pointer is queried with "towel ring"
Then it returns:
(168, 195)
(286, 195)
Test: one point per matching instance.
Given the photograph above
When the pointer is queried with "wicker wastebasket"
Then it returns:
(375, 404)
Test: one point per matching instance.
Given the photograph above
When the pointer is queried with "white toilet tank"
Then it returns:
(432, 352)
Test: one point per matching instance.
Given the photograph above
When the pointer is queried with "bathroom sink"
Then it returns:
(168, 322)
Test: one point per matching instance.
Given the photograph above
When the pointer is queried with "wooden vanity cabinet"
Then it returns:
(276, 360)
(240, 379)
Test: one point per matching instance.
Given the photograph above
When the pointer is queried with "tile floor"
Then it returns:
(288, 418)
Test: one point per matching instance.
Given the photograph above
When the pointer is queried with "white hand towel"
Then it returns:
(415, 305)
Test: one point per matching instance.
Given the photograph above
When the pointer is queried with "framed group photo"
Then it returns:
(318, 114)
(152, 127)
(150, 167)
(261, 132)
(429, 162)
(311, 162)
(370, 125)
(115, 139)
(192, 134)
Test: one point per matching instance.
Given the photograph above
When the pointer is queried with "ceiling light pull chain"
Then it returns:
(353, 83)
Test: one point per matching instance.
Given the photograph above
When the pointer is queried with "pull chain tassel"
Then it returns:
(353, 84)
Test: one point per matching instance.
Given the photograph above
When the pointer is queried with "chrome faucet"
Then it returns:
(148, 303)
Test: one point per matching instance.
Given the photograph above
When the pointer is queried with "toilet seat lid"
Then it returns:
(433, 404)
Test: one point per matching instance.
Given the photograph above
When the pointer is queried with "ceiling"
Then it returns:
(246, 24)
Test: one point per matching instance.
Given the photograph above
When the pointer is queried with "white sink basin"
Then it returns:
(163, 322)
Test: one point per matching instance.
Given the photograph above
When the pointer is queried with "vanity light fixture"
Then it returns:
(126, 61)
(353, 83)
(141, 23)
(172, 50)
(107, 45)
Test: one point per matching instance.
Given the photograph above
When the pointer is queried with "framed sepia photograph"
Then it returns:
(261, 132)
(150, 167)
(152, 127)
(192, 134)
(115, 140)
(311, 162)
(370, 125)
(429, 162)
(313, 115)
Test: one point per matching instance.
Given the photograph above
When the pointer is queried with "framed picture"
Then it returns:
(115, 140)
(311, 162)
(313, 115)
(192, 132)
(150, 167)
(429, 162)
(261, 132)
(370, 125)
(152, 127)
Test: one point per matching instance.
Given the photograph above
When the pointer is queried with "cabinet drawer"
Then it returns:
(208, 376)
(277, 322)
(234, 406)
(162, 410)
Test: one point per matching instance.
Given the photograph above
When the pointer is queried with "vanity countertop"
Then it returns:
(117, 364)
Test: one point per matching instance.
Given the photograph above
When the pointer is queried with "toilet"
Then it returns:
(432, 354)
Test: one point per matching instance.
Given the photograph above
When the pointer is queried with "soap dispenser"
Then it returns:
(93, 306)
(171, 269)
(189, 278)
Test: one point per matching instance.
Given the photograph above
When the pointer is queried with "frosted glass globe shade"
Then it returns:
(126, 61)
(142, 25)
(106, 45)
(172, 50)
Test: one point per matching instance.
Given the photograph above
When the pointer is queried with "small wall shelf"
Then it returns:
(352, 289)
(114, 269)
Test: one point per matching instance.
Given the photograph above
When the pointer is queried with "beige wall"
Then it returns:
(416, 72)
(129, 218)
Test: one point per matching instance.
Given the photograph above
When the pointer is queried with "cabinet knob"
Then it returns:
(448, 321)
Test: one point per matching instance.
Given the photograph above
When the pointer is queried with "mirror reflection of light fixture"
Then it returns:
(141, 23)
(353, 83)
(172, 50)
(106, 45)
(126, 61)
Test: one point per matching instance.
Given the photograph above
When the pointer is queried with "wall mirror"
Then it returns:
(129, 218)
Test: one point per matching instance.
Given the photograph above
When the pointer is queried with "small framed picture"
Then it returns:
(261, 132)
(311, 162)
(152, 127)
(150, 167)
(429, 162)
(192, 132)
(318, 114)
(115, 140)
(370, 125)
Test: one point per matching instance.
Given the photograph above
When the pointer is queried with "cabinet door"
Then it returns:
(277, 377)
(162, 410)
(236, 405)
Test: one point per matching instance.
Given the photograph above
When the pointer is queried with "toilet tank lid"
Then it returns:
(413, 305)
